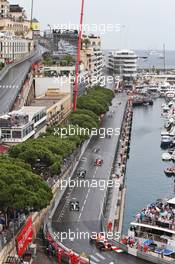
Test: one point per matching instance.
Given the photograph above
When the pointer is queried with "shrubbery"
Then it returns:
(91, 106)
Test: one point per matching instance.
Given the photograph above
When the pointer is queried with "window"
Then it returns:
(27, 130)
(16, 134)
(5, 133)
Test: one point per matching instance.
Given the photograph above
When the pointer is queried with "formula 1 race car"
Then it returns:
(101, 243)
(98, 162)
(81, 173)
(74, 206)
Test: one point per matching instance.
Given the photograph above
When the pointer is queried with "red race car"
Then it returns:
(98, 162)
(103, 244)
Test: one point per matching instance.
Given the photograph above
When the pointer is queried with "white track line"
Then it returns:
(94, 258)
(99, 255)
(82, 209)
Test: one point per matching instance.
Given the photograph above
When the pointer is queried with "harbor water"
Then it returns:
(145, 178)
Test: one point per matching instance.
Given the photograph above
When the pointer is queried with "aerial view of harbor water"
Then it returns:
(87, 132)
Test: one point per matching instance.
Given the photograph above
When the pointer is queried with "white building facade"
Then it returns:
(18, 126)
(13, 48)
(123, 63)
(92, 58)
(4, 8)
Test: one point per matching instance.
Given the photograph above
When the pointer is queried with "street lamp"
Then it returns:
(51, 37)
(50, 30)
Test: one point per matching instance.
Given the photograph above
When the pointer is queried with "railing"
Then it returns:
(155, 259)
(8, 234)
(157, 223)
(5, 70)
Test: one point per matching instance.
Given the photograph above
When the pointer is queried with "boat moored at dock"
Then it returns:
(170, 171)
(152, 235)
(166, 157)
(142, 100)
(166, 142)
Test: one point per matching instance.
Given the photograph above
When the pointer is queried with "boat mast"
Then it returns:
(164, 57)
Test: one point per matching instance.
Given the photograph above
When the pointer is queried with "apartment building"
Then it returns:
(123, 63)
(62, 77)
(15, 27)
(4, 8)
(14, 48)
(14, 20)
(92, 57)
(58, 105)
(18, 126)
(14, 12)
(17, 13)
(64, 42)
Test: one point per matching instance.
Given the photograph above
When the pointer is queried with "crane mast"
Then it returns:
(76, 86)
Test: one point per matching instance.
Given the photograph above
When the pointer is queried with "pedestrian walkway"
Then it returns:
(41, 257)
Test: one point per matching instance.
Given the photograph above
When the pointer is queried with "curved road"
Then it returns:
(91, 196)
(12, 82)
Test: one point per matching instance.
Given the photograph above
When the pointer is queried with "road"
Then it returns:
(91, 197)
(12, 82)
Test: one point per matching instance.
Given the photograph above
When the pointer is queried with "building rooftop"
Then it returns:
(49, 99)
(20, 117)
(16, 9)
(31, 111)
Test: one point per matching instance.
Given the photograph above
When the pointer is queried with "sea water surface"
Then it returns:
(145, 178)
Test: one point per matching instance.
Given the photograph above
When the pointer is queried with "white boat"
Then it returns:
(170, 104)
(166, 141)
(164, 133)
(169, 123)
(173, 157)
(153, 232)
(170, 94)
(165, 109)
(166, 157)
(172, 132)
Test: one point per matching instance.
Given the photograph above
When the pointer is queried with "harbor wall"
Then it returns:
(113, 211)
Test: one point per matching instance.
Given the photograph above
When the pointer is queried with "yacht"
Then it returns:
(166, 141)
(165, 108)
(151, 235)
(166, 157)
(172, 132)
(164, 133)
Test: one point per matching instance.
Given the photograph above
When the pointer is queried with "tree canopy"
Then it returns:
(20, 188)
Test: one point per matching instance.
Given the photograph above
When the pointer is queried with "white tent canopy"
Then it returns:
(172, 201)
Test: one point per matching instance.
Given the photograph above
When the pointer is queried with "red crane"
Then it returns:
(78, 57)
